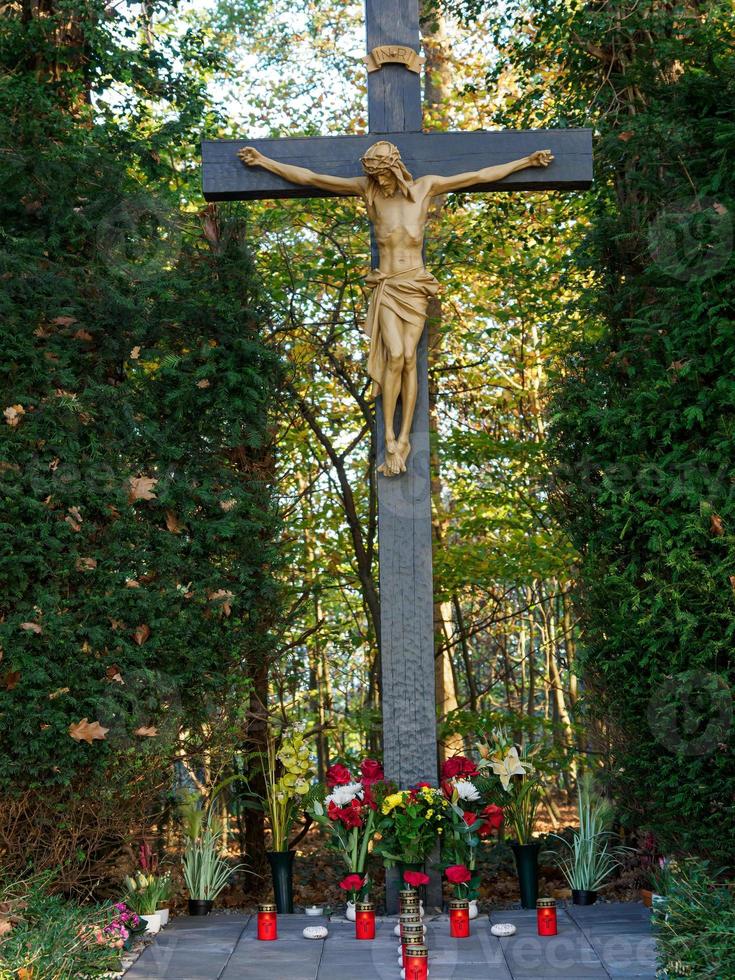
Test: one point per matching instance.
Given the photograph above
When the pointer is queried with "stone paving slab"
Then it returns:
(601, 942)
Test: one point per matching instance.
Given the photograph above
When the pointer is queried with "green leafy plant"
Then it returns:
(695, 932)
(206, 872)
(589, 860)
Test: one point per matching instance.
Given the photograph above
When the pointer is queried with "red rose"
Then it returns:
(470, 818)
(367, 796)
(415, 878)
(352, 883)
(458, 874)
(458, 767)
(350, 816)
(338, 775)
(333, 811)
(371, 771)
(493, 820)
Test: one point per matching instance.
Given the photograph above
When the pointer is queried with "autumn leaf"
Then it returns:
(13, 414)
(144, 732)
(626, 135)
(86, 564)
(58, 693)
(11, 679)
(223, 597)
(31, 627)
(64, 321)
(86, 731)
(732, 583)
(173, 523)
(204, 383)
(113, 674)
(132, 583)
(5, 926)
(141, 634)
(719, 208)
(141, 488)
(227, 505)
(135, 353)
(83, 335)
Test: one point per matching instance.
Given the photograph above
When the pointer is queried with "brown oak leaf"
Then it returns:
(715, 525)
(146, 732)
(204, 383)
(626, 135)
(13, 414)
(83, 335)
(223, 597)
(31, 627)
(141, 634)
(113, 674)
(86, 564)
(86, 731)
(227, 505)
(132, 583)
(173, 523)
(135, 353)
(141, 488)
(11, 679)
(64, 321)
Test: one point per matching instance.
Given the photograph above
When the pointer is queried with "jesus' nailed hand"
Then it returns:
(397, 206)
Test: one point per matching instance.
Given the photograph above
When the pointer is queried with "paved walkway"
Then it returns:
(599, 942)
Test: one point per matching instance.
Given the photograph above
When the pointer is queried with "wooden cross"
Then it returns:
(404, 502)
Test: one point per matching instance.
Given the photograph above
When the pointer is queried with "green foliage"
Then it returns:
(53, 938)
(695, 927)
(138, 521)
(643, 435)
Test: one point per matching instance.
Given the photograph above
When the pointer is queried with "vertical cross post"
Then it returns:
(404, 502)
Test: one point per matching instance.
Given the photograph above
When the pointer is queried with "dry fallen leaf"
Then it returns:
(141, 634)
(132, 583)
(64, 321)
(135, 353)
(13, 414)
(86, 564)
(83, 335)
(227, 505)
(58, 692)
(719, 208)
(113, 674)
(26, 973)
(173, 523)
(11, 679)
(141, 488)
(223, 597)
(715, 525)
(204, 383)
(144, 732)
(86, 731)
(626, 135)
(31, 627)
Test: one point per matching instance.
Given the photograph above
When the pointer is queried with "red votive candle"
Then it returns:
(408, 900)
(412, 934)
(417, 963)
(546, 916)
(364, 920)
(267, 922)
(459, 918)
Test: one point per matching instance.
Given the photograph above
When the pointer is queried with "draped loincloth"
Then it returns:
(407, 294)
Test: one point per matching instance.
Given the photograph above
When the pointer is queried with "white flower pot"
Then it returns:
(164, 916)
(152, 923)
(351, 911)
(473, 908)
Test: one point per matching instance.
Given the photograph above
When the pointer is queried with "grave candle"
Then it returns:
(364, 920)
(459, 918)
(417, 963)
(546, 916)
(412, 934)
(267, 922)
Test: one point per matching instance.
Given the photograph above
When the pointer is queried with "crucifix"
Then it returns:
(397, 169)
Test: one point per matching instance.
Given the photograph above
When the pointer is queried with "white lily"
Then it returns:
(508, 766)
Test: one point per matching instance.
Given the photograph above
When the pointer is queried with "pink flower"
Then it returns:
(338, 775)
(458, 767)
(371, 771)
(415, 878)
(458, 874)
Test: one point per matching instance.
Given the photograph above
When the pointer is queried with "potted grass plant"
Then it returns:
(206, 871)
(589, 859)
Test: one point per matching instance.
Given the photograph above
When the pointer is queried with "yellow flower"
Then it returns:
(429, 813)
(392, 801)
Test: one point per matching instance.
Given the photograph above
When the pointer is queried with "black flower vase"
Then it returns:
(526, 856)
(281, 863)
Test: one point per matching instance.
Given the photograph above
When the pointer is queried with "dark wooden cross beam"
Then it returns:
(404, 502)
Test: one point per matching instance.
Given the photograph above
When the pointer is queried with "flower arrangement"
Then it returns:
(471, 821)
(347, 808)
(519, 779)
(411, 822)
(287, 770)
(146, 893)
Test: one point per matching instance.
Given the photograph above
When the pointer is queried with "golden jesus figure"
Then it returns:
(398, 207)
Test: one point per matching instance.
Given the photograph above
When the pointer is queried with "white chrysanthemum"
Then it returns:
(466, 791)
(342, 795)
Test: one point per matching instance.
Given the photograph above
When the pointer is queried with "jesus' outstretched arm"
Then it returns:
(488, 175)
(300, 175)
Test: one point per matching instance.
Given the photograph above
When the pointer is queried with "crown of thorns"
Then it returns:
(375, 162)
